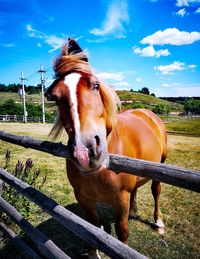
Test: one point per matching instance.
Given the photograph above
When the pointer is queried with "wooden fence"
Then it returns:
(96, 237)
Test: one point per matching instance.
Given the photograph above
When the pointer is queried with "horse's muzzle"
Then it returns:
(88, 157)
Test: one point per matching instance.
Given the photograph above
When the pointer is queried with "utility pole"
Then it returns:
(42, 71)
(23, 97)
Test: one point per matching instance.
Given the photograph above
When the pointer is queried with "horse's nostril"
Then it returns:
(92, 153)
(97, 140)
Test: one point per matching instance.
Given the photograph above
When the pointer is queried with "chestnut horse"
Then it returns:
(87, 110)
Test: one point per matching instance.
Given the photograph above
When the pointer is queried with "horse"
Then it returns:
(88, 112)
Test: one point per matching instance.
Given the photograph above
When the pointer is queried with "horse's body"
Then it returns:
(139, 134)
(87, 110)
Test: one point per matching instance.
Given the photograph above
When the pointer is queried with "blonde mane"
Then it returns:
(74, 62)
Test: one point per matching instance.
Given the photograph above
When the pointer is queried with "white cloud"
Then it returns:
(198, 10)
(138, 79)
(121, 85)
(39, 45)
(181, 12)
(8, 45)
(165, 85)
(116, 79)
(151, 52)
(171, 36)
(116, 17)
(169, 69)
(52, 40)
(187, 91)
(178, 90)
(192, 66)
(111, 76)
(181, 3)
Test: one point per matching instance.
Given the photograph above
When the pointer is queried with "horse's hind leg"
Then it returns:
(156, 189)
(133, 204)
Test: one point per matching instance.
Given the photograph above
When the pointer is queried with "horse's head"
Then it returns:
(86, 108)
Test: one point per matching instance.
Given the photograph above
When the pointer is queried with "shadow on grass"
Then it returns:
(72, 245)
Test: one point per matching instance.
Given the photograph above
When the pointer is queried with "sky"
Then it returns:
(130, 44)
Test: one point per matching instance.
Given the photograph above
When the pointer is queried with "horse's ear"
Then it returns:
(72, 47)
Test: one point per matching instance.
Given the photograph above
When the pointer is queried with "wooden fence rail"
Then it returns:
(18, 243)
(43, 243)
(89, 233)
(169, 174)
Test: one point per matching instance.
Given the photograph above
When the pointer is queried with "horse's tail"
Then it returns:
(164, 142)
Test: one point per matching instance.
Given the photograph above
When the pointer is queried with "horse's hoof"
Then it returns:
(133, 215)
(161, 231)
(160, 227)
(94, 254)
(159, 223)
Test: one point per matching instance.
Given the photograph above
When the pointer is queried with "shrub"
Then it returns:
(11, 108)
(161, 109)
(26, 172)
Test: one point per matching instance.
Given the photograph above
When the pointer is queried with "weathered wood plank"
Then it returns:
(18, 243)
(169, 174)
(177, 176)
(43, 243)
(56, 149)
(94, 236)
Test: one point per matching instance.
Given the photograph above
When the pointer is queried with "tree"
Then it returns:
(192, 106)
(144, 90)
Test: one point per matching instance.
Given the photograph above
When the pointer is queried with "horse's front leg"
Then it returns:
(121, 207)
(89, 208)
(156, 189)
(133, 205)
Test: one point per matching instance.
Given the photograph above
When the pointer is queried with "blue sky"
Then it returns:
(130, 44)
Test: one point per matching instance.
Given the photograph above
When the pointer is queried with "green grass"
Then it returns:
(144, 99)
(189, 125)
(181, 208)
(148, 100)
(30, 98)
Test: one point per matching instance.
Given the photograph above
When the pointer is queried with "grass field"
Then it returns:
(189, 125)
(181, 208)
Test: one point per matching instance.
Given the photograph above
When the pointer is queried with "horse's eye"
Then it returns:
(96, 86)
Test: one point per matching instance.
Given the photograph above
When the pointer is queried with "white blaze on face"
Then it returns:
(71, 81)
(80, 151)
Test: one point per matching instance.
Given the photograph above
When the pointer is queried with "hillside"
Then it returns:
(147, 101)
(30, 99)
(138, 99)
